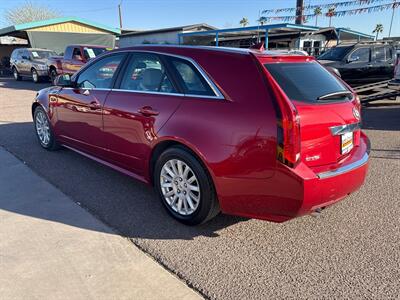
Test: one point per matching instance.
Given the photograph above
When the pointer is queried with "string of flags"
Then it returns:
(341, 13)
(322, 6)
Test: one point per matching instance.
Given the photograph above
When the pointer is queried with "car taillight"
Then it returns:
(289, 140)
(288, 144)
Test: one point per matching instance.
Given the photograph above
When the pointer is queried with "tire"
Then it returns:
(53, 75)
(17, 77)
(35, 76)
(40, 119)
(203, 205)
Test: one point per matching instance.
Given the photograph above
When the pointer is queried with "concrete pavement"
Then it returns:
(50, 248)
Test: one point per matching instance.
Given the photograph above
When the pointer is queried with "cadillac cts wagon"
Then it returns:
(251, 133)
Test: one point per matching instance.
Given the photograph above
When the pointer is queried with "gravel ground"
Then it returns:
(351, 250)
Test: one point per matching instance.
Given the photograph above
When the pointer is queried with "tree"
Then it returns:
(317, 12)
(330, 14)
(262, 20)
(244, 22)
(378, 29)
(29, 12)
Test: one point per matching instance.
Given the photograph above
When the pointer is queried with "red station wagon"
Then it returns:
(251, 133)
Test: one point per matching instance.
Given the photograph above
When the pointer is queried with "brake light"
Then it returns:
(288, 148)
(289, 140)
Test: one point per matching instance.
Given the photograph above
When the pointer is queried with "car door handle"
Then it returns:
(148, 111)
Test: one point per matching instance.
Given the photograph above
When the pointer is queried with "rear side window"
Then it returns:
(380, 54)
(360, 55)
(192, 81)
(305, 82)
(389, 53)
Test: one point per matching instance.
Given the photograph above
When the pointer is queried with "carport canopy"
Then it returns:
(271, 30)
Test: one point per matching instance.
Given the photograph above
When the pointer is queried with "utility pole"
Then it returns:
(299, 11)
(391, 21)
(120, 15)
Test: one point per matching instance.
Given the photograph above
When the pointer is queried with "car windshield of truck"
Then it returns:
(336, 53)
(90, 53)
(308, 82)
(40, 54)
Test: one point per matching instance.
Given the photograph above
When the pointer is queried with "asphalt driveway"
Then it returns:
(352, 250)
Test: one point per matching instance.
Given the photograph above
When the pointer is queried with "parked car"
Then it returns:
(75, 56)
(394, 84)
(30, 62)
(279, 139)
(361, 62)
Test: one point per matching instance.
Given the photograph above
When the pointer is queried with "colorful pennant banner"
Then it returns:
(322, 6)
(341, 13)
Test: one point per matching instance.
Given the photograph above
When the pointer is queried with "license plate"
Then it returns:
(346, 142)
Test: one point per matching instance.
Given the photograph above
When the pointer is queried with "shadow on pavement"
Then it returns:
(24, 84)
(127, 205)
(381, 117)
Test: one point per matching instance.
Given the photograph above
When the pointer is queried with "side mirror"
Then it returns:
(353, 59)
(63, 80)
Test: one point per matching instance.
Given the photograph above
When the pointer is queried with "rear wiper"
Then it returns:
(335, 95)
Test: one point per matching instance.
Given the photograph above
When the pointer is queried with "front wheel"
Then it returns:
(43, 130)
(35, 76)
(185, 188)
(53, 75)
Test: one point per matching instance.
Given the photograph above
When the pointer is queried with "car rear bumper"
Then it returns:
(295, 192)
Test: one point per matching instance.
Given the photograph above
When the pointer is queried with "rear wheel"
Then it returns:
(43, 130)
(35, 76)
(185, 188)
(16, 74)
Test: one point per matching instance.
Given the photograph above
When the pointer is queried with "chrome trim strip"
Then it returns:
(90, 89)
(338, 130)
(148, 92)
(345, 169)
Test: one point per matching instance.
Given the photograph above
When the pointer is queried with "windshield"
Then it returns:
(41, 54)
(307, 82)
(90, 53)
(336, 53)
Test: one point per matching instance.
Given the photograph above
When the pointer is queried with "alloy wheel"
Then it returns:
(180, 187)
(35, 76)
(42, 128)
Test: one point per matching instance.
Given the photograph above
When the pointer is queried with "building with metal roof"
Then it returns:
(56, 34)
(169, 35)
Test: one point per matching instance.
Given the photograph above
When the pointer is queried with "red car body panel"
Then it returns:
(235, 138)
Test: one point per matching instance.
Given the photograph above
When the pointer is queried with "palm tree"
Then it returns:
(378, 29)
(317, 12)
(330, 14)
(262, 20)
(244, 22)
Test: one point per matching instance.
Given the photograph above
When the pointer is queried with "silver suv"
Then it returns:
(30, 62)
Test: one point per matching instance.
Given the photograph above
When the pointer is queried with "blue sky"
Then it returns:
(148, 14)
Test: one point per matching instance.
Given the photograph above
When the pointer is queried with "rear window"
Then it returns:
(306, 82)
